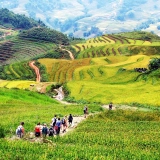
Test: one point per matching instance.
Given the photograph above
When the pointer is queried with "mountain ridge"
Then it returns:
(77, 18)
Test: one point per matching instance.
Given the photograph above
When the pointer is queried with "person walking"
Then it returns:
(70, 120)
(58, 126)
(37, 130)
(85, 111)
(20, 130)
(64, 124)
(110, 106)
(44, 130)
(54, 119)
(51, 131)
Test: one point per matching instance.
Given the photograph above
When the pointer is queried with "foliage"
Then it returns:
(45, 34)
(154, 64)
(17, 71)
(16, 49)
(141, 35)
(2, 132)
(109, 135)
(11, 20)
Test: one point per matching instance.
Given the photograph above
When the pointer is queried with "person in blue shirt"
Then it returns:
(58, 126)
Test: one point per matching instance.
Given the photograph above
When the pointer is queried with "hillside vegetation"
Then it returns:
(110, 68)
(115, 134)
(31, 44)
(119, 44)
(45, 34)
(9, 19)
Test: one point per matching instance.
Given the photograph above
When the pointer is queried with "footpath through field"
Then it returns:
(76, 120)
(36, 69)
(70, 53)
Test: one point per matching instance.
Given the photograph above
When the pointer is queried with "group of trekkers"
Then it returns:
(56, 126)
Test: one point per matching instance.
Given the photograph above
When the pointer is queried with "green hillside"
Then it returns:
(9, 19)
(17, 47)
(122, 68)
(45, 34)
(128, 44)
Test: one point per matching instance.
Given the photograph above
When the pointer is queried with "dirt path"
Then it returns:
(70, 53)
(36, 69)
(76, 121)
(126, 107)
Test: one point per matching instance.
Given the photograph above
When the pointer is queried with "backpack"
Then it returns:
(45, 130)
(51, 132)
(37, 129)
(18, 131)
(63, 121)
(54, 122)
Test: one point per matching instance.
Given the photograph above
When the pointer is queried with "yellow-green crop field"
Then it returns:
(103, 72)
(107, 79)
(16, 84)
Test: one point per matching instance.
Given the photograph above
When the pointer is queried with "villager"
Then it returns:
(110, 106)
(37, 130)
(20, 130)
(44, 130)
(58, 126)
(70, 119)
(64, 124)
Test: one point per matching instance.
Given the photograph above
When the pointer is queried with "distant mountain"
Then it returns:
(87, 18)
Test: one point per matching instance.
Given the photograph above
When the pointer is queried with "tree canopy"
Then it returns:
(12, 20)
(45, 34)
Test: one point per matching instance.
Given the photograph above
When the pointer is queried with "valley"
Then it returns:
(122, 68)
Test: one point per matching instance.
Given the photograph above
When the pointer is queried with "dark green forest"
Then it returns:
(45, 34)
(16, 21)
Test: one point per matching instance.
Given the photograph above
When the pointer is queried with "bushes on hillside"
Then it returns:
(2, 132)
(154, 64)
(45, 34)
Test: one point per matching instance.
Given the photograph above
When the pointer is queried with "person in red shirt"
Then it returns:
(37, 130)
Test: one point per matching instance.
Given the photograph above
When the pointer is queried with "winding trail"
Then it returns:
(70, 53)
(36, 69)
(76, 120)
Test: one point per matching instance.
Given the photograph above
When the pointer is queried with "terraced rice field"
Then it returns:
(107, 45)
(22, 49)
(106, 79)
(17, 71)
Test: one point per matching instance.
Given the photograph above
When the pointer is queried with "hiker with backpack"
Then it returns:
(51, 131)
(54, 119)
(37, 130)
(44, 130)
(58, 126)
(64, 124)
(20, 130)
(70, 119)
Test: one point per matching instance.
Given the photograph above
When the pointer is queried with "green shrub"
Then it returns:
(154, 64)
(2, 132)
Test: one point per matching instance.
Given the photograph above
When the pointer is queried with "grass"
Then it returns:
(129, 43)
(109, 135)
(31, 107)
(140, 92)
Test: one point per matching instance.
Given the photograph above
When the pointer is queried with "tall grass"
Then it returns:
(109, 135)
